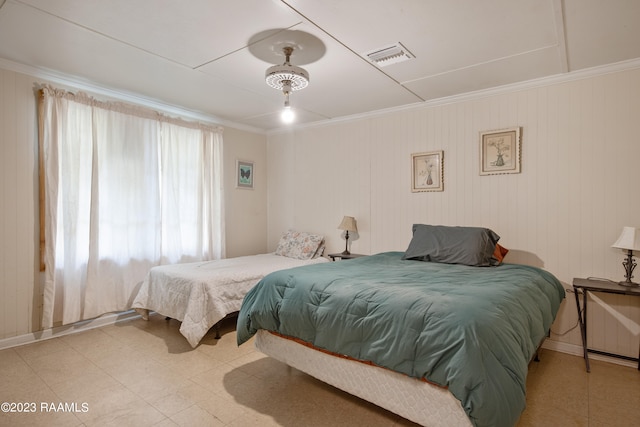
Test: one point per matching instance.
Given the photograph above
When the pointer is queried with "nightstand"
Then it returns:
(342, 256)
(582, 286)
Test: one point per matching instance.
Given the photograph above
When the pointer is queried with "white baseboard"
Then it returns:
(112, 319)
(59, 331)
(576, 350)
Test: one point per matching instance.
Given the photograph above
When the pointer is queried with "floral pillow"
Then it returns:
(300, 245)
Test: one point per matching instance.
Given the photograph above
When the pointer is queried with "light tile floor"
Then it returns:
(140, 373)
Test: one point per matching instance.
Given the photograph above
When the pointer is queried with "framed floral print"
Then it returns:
(427, 171)
(500, 151)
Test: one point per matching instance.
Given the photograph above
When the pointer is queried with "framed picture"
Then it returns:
(426, 171)
(244, 174)
(500, 151)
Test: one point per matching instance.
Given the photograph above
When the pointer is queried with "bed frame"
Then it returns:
(215, 327)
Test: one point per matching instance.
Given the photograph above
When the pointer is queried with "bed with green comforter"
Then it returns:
(470, 329)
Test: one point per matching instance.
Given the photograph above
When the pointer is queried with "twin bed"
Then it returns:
(441, 334)
(201, 294)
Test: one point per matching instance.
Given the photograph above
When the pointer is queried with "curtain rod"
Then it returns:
(124, 108)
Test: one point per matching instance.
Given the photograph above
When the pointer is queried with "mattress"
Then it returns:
(200, 294)
(415, 400)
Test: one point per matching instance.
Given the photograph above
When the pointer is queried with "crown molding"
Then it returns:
(77, 83)
(500, 90)
(84, 85)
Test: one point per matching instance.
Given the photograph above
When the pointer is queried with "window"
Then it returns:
(124, 189)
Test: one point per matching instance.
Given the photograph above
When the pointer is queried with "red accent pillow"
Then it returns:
(499, 253)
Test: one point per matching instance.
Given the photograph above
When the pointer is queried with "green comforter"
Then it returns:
(471, 329)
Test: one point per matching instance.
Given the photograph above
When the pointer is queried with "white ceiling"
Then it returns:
(199, 54)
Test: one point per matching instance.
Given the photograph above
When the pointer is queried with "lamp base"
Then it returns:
(629, 265)
(346, 243)
(628, 284)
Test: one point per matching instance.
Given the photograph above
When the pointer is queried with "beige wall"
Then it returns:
(20, 294)
(577, 189)
(20, 288)
(245, 210)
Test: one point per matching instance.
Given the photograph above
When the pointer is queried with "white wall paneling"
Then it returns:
(577, 189)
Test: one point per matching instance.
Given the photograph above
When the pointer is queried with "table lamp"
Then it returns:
(348, 224)
(628, 241)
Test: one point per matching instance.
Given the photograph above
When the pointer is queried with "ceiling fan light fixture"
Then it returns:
(287, 77)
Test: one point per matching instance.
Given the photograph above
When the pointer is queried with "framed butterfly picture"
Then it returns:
(244, 178)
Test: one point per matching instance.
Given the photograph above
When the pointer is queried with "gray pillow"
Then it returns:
(452, 245)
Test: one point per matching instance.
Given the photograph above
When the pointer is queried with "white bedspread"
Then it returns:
(200, 294)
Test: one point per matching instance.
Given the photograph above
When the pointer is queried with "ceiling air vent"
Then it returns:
(389, 55)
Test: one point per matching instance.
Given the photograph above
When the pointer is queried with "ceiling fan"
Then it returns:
(286, 76)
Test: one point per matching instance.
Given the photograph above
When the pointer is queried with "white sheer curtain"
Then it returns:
(125, 189)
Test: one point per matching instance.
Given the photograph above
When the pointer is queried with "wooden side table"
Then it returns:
(342, 256)
(582, 286)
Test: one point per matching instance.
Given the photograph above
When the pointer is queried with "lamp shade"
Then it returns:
(348, 223)
(629, 239)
